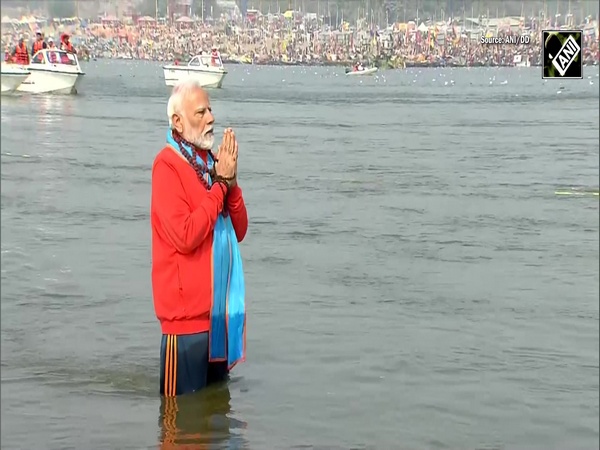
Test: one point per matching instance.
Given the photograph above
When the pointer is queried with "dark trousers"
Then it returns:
(184, 366)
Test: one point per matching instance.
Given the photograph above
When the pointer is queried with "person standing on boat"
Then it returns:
(198, 217)
(39, 43)
(8, 54)
(214, 56)
(20, 54)
(65, 44)
(52, 57)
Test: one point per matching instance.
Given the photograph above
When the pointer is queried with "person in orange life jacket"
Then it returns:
(214, 56)
(51, 44)
(66, 45)
(197, 211)
(39, 43)
(20, 54)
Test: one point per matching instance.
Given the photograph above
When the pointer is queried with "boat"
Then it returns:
(579, 191)
(208, 70)
(361, 72)
(53, 71)
(12, 77)
(235, 59)
(521, 61)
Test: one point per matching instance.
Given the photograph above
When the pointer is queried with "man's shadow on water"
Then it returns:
(200, 421)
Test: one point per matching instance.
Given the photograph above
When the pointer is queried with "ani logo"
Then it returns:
(562, 54)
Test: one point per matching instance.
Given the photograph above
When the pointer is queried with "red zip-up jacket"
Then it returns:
(183, 215)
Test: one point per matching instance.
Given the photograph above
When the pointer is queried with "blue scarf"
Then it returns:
(227, 335)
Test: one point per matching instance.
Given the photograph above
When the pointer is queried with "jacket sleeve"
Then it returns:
(238, 213)
(185, 229)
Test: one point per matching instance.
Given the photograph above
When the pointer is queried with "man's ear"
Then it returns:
(177, 123)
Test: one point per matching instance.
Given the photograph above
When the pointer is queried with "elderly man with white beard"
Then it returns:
(198, 217)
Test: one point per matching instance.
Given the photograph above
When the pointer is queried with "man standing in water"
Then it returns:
(198, 216)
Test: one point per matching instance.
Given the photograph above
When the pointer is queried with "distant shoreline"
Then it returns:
(408, 64)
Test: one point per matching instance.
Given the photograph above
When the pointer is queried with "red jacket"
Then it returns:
(183, 215)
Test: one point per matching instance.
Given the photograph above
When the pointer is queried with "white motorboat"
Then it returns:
(361, 72)
(520, 61)
(53, 71)
(12, 77)
(208, 70)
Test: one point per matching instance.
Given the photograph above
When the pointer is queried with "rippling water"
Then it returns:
(413, 281)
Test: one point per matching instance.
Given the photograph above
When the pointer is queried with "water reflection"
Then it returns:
(44, 109)
(200, 421)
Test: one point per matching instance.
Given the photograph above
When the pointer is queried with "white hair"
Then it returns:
(180, 91)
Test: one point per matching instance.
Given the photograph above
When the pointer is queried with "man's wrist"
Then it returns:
(226, 180)
(223, 185)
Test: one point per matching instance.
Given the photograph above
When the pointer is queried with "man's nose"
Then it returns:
(210, 118)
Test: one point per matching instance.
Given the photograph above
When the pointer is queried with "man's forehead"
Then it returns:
(197, 107)
(199, 100)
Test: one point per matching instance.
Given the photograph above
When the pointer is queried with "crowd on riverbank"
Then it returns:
(276, 41)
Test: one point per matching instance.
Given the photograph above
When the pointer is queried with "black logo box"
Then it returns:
(562, 54)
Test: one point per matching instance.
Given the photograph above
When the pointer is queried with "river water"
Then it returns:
(413, 280)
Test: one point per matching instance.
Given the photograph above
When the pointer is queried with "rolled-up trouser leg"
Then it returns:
(183, 363)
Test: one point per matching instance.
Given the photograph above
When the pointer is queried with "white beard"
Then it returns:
(205, 142)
